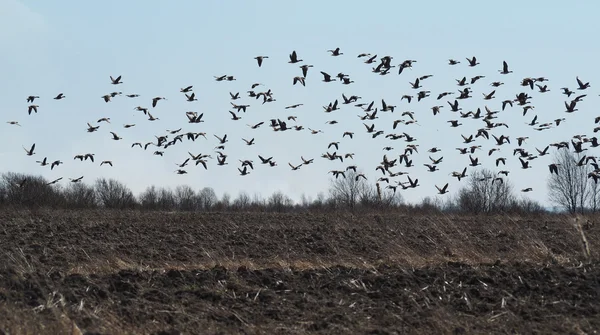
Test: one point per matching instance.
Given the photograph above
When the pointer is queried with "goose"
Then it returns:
(442, 190)
(155, 101)
(306, 161)
(222, 140)
(256, 125)
(132, 95)
(504, 68)
(234, 117)
(107, 163)
(335, 52)
(43, 162)
(473, 61)
(259, 59)
(348, 133)
(116, 81)
(32, 108)
(59, 96)
(221, 160)
(432, 168)
(524, 164)
(337, 173)
(16, 123)
(305, 69)
(265, 160)
(31, 98)
(416, 84)
(360, 175)
(553, 168)
(300, 80)
(234, 96)
(115, 136)
(489, 96)
(244, 171)
(191, 97)
(326, 77)
(104, 119)
(152, 118)
(141, 109)
(249, 142)
(76, 180)
(54, 181)
(186, 89)
(453, 62)
(529, 189)
(582, 85)
(240, 107)
(30, 151)
(294, 58)
(106, 97)
(180, 171)
(474, 161)
(129, 125)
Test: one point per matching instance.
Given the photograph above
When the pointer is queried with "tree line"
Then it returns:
(574, 189)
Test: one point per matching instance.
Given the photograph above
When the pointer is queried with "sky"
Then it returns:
(159, 47)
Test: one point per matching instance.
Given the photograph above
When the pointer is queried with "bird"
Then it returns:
(504, 68)
(260, 59)
(30, 151)
(294, 58)
(116, 81)
(31, 98)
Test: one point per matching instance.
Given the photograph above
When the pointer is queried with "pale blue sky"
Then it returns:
(158, 47)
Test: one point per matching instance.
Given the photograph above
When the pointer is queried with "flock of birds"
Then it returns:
(390, 165)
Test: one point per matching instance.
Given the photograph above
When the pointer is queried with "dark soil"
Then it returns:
(101, 272)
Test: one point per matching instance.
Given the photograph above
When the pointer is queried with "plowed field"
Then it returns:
(113, 272)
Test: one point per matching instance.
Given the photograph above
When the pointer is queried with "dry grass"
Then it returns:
(329, 256)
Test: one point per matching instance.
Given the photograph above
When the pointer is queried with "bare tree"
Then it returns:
(571, 188)
(224, 203)
(207, 198)
(166, 199)
(112, 193)
(279, 202)
(346, 190)
(485, 193)
(149, 198)
(242, 202)
(186, 198)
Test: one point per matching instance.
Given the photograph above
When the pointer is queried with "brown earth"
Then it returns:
(113, 272)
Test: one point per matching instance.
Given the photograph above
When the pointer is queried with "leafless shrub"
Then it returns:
(113, 194)
(571, 188)
(80, 195)
(28, 191)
